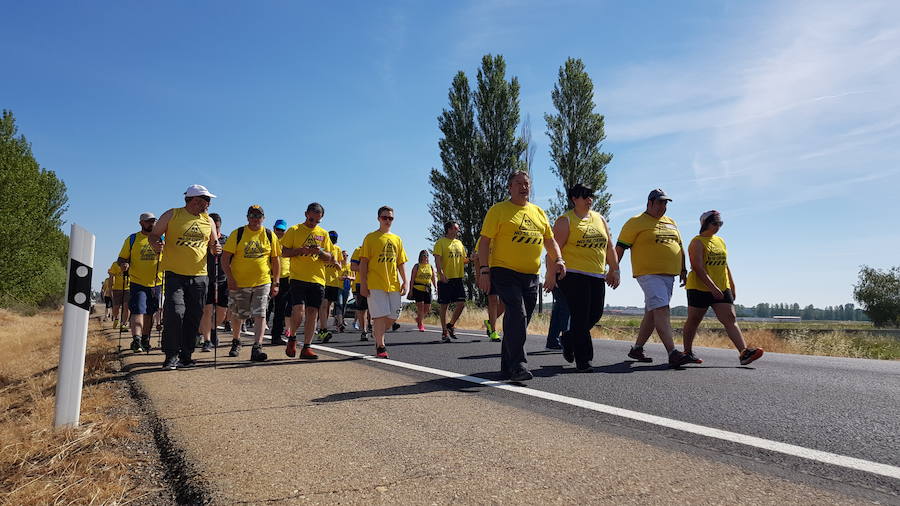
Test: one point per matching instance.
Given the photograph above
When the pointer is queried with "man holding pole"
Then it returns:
(141, 263)
(190, 233)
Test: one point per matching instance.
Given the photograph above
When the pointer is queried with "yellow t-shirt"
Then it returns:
(453, 254)
(307, 268)
(143, 266)
(119, 282)
(715, 259)
(585, 249)
(187, 242)
(251, 257)
(655, 245)
(347, 272)
(333, 270)
(517, 236)
(422, 281)
(285, 267)
(354, 259)
(105, 288)
(385, 253)
(490, 250)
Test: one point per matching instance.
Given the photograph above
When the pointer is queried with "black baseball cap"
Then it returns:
(658, 194)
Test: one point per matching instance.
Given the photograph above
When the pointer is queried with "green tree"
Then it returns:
(32, 202)
(576, 132)
(878, 292)
(479, 150)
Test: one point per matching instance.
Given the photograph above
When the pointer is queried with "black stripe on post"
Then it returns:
(79, 284)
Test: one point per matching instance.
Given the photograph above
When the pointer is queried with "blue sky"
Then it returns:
(784, 116)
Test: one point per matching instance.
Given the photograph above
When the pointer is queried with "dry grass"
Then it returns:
(801, 340)
(40, 465)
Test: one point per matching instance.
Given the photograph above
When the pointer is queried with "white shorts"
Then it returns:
(383, 304)
(657, 290)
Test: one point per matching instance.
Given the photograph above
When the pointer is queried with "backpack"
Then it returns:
(240, 233)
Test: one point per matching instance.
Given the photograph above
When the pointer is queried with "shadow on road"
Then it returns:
(422, 387)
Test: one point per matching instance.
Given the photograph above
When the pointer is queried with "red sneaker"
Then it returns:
(308, 354)
(291, 349)
(381, 352)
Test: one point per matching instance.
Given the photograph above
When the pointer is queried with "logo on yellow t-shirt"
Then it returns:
(528, 232)
(666, 233)
(253, 249)
(147, 253)
(593, 238)
(388, 254)
(192, 237)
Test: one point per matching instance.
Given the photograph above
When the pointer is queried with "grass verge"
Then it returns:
(800, 338)
(40, 465)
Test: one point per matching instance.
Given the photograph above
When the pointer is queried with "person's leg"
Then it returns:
(194, 300)
(297, 312)
(597, 287)
(206, 322)
(443, 311)
(457, 312)
(509, 289)
(380, 326)
(645, 330)
(420, 312)
(173, 311)
(324, 308)
(691, 324)
(577, 340)
(558, 320)
(726, 315)
(259, 304)
(663, 325)
(309, 328)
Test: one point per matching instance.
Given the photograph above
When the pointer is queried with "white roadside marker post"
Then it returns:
(72, 348)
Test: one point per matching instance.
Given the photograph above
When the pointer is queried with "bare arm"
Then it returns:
(612, 259)
(402, 269)
(439, 267)
(159, 230)
(484, 279)
(364, 276)
(226, 268)
(561, 231)
(731, 282)
(214, 247)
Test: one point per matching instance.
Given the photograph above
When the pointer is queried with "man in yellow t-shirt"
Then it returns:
(450, 262)
(281, 303)
(138, 259)
(250, 262)
(362, 304)
(309, 248)
(657, 257)
(120, 296)
(382, 257)
(333, 291)
(513, 236)
(190, 233)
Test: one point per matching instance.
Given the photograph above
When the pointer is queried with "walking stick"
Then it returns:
(155, 279)
(213, 332)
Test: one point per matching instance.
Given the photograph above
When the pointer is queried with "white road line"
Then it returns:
(756, 442)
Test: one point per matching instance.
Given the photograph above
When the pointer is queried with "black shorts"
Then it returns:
(332, 294)
(361, 303)
(222, 287)
(107, 301)
(304, 293)
(451, 291)
(702, 300)
(421, 296)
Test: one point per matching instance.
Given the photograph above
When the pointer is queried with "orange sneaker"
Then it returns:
(308, 354)
(291, 349)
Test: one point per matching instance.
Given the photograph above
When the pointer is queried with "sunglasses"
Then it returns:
(386, 218)
(255, 215)
(204, 197)
(583, 195)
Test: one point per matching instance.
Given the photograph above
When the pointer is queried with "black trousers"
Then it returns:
(519, 292)
(281, 306)
(586, 296)
(182, 310)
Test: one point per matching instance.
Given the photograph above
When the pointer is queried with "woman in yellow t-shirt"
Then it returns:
(710, 284)
(583, 237)
(423, 279)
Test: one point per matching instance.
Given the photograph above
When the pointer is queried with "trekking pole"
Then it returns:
(155, 279)
(213, 332)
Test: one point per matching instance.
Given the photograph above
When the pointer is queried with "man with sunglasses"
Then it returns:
(250, 262)
(657, 256)
(309, 247)
(382, 257)
(190, 234)
(141, 263)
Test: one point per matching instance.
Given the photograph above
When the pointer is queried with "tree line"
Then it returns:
(32, 201)
(480, 147)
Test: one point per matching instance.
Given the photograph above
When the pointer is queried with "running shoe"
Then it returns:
(421, 327)
(145, 343)
(395, 327)
(569, 355)
(381, 352)
(124, 327)
(692, 359)
(171, 362)
(186, 363)
(451, 330)
(291, 348)
(307, 353)
(521, 374)
(256, 354)
(584, 367)
(235, 348)
(677, 359)
(495, 337)
(136, 344)
(327, 336)
(320, 334)
(750, 354)
(115, 324)
(355, 325)
(445, 338)
(487, 328)
(207, 347)
(553, 346)
(637, 353)
(363, 336)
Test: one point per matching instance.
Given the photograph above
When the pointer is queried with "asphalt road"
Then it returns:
(849, 407)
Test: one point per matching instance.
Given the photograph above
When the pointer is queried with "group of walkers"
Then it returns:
(204, 277)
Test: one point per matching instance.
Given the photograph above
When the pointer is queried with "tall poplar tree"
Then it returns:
(576, 132)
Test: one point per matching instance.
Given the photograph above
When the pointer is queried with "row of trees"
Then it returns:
(480, 146)
(846, 312)
(32, 201)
